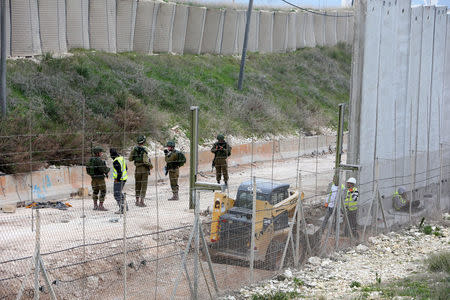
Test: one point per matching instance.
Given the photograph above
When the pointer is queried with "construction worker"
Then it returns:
(351, 206)
(97, 169)
(330, 202)
(140, 156)
(120, 176)
(174, 160)
(221, 151)
(400, 200)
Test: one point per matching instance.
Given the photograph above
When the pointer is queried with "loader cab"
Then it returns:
(266, 190)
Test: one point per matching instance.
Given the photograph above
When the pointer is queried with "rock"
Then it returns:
(314, 260)
(92, 282)
(288, 273)
(362, 248)
(326, 263)
(373, 240)
(402, 298)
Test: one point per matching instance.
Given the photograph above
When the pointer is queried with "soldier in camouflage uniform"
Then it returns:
(174, 159)
(140, 156)
(98, 170)
(221, 151)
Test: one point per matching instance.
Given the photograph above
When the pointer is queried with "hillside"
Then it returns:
(283, 93)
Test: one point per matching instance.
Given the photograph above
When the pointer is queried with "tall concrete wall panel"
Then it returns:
(52, 24)
(126, 20)
(8, 30)
(240, 28)
(25, 39)
(252, 45)
(426, 65)
(280, 32)
(229, 37)
(77, 14)
(319, 29)
(402, 15)
(330, 29)
(194, 30)
(300, 28)
(102, 25)
(164, 28)
(292, 32)
(265, 43)
(350, 29)
(341, 28)
(445, 111)
(369, 95)
(179, 28)
(437, 85)
(310, 37)
(212, 35)
(144, 30)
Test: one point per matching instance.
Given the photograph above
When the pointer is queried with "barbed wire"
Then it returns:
(315, 12)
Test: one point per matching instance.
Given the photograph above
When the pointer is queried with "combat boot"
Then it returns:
(142, 204)
(174, 197)
(95, 205)
(101, 207)
(137, 203)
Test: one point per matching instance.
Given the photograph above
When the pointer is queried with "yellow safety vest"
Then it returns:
(349, 202)
(395, 203)
(123, 168)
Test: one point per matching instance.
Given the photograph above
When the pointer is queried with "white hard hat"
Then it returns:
(401, 190)
(351, 180)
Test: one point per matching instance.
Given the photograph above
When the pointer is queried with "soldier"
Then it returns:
(351, 205)
(140, 156)
(221, 151)
(174, 159)
(98, 170)
(120, 176)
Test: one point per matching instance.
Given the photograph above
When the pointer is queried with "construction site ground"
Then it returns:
(167, 221)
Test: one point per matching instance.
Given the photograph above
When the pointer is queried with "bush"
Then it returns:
(439, 262)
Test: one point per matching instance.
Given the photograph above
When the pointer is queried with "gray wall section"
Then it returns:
(77, 14)
(319, 29)
(280, 32)
(194, 30)
(145, 26)
(229, 36)
(8, 30)
(212, 35)
(310, 37)
(254, 32)
(445, 111)
(341, 28)
(240, 28)
(126, 20)
(52, 24)
(292, 32)
(164, 28)
(300, 29)
(102, 25)
(179, 29)
(330, 29)
(25, 39)
(265, 32)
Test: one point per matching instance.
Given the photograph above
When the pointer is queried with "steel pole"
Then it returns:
(193, 155)
(339, 137)
(252, 239)
(3, 57)
(244, 48)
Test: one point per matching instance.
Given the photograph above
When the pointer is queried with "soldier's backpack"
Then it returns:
(90, 168)
(181, 158)
(138, 156)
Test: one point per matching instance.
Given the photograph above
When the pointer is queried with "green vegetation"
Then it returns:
(432, 285)
(109, 93)
(276, 296)
(355, 284)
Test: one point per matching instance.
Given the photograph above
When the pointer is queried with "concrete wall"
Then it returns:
(25, 39)
(194, 30)
(445, 109)
(8, 30)
(149, 26)
(126, 20)
(212, 36)
(77, 14)
(399, 114)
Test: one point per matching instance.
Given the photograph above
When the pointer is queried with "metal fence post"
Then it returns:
(338, 208)
(36, 254)
(125, 208)
(196, 243)
(441, 162)
(252, 243)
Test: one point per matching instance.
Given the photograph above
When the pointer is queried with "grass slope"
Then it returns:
(109, 92)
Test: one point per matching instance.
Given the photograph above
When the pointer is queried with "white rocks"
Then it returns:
(326, 263)
(373, 240)
(288, 273)
(362, 248)
(314, 260)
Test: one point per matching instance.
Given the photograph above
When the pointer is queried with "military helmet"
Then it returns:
(220, 137)
(97, 149)
(170, 144)
(401, 190)
(141, 139)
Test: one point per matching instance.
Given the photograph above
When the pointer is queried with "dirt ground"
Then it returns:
(163, 221)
